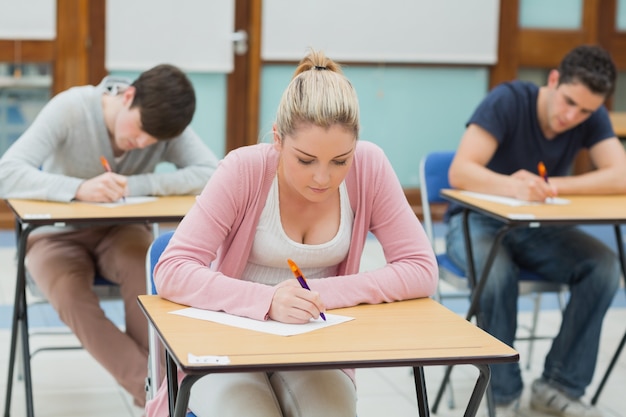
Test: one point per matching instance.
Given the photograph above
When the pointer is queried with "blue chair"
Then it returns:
(155, 372)
(433, 178)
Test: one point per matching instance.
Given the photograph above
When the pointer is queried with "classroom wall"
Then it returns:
(409, 111)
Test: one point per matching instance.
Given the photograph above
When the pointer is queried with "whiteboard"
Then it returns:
(195, 35)
(402, 31)
(28, 20)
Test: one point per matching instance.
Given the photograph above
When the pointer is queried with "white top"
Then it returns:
(272, 247)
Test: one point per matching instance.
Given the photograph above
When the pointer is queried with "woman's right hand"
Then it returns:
(293, 304)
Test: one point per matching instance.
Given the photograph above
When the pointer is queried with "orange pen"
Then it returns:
(298, 274)
(107, 168)
(543, 172)
(105, 164)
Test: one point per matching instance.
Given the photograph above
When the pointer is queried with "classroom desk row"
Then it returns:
(414, 333)
(388, 334)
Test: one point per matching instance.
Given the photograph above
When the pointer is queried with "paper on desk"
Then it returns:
(267, 326)
(514, 201)
(128, 201)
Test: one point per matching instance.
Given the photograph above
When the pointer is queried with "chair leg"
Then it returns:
(451, 402)
(561, 298)
(19, 361)
(533, 328)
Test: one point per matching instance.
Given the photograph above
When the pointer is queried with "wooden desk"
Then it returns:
(597, 209)
(618, 120)
(45, 213)
(31, 214)
(600, 209)
(411, 333)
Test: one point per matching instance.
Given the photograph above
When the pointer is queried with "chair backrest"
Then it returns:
(154, 253)
(433, 178)
(155, 371)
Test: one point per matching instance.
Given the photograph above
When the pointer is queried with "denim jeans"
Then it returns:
(562, 254)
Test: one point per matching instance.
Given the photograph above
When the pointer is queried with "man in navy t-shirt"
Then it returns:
(514, 129)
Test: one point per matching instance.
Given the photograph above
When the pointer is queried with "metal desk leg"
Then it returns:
(178, 397)
(172, 381)
(479, 390)
(420, 388)
(184, 391)
(594, 400)
(19, 328)
(477, 289)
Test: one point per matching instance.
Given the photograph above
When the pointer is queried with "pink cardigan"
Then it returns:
(219, 230)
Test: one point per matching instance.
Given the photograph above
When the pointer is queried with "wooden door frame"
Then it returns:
(543, 48)
(242, 115)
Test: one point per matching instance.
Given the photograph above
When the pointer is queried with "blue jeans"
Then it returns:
(561, 254)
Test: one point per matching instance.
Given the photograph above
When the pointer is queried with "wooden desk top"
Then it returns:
(618, 120)
(600, 209)
(163, 209)
(407, 333)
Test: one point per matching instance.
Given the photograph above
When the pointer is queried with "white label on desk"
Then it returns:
(208, 359)
(521, 216)
(37, 216)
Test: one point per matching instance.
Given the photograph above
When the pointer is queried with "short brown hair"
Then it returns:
(591, 66)
(166, 101)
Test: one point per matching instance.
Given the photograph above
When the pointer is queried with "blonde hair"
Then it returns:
(318, 94)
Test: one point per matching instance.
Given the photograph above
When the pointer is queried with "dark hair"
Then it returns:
(166, 101)
(590, 65)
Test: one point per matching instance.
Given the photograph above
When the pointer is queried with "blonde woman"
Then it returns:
(312, 195)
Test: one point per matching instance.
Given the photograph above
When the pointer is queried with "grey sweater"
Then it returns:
(63, 146)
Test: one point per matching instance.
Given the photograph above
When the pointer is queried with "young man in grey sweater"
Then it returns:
(134, 126)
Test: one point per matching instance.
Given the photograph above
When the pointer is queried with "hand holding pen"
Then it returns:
(543, 173)
(298, 274)
(103, 188)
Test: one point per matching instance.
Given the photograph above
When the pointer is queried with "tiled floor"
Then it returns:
(72, 384)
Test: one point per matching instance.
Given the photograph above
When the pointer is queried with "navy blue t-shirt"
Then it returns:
(509, 113)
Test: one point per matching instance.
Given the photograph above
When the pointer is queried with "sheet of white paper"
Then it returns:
(514, 202)
(127, 201)
(557, 201)
(267, 326)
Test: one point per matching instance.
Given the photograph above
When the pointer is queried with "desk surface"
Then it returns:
(600, 209)
(406, 333)
(163, 209)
